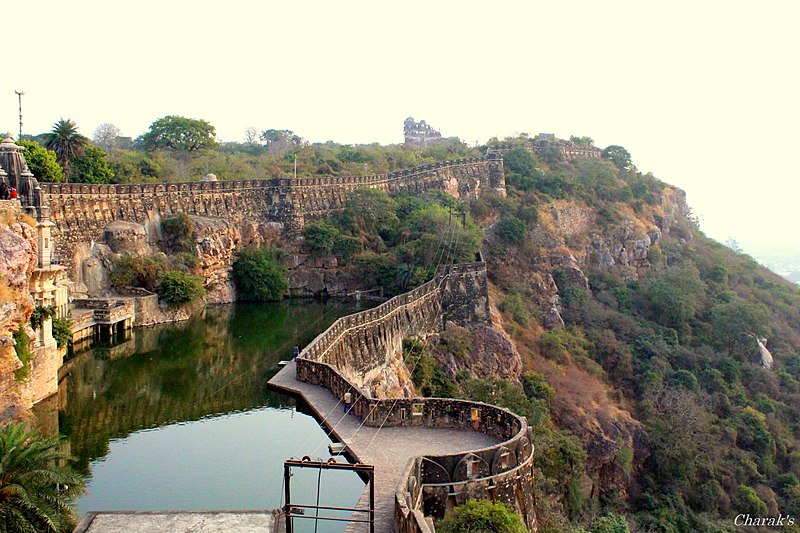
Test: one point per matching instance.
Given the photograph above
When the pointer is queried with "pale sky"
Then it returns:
(703, 94)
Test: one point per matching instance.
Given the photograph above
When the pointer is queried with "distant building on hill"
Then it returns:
(419, 133)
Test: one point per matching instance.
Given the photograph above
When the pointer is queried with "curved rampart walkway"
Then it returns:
(393, 447)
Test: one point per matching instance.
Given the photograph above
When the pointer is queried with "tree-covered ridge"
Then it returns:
(177, 148)
(672, 342)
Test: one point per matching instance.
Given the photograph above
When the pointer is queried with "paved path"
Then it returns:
(392, 447)
(179, 522)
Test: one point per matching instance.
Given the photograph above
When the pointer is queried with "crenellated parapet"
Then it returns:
(81, 211)
(355, 346)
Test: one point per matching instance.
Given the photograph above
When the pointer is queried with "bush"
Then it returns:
(482, 516)
(138, 271)
(41, 162)
(179, 232)
(320, 237)
(536, 387)
(748, 502)
(179, 288)
(258, 275)
(516, 305)
(344, 248)
(24, 354)
(62, 331)
(511, 229)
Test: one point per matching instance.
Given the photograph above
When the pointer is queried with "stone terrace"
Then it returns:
(393, 447)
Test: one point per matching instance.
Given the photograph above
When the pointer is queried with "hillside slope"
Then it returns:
(648, 333)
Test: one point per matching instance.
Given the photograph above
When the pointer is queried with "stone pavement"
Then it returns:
(178, 521)
(391, 449)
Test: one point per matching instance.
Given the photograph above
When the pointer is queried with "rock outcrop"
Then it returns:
(17, 261)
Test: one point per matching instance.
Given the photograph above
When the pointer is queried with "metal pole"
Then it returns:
(372, 502)
(287, 509)
(19, 95)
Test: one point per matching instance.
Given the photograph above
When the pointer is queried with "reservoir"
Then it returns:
(178, 416)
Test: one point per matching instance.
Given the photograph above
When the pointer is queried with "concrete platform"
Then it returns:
(179, 521)
(389, 449)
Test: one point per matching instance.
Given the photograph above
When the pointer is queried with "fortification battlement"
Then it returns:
(503, 471)
(81, 211)
(60, 189)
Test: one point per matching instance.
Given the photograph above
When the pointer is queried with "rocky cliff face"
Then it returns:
(569, 238)
(17, 261)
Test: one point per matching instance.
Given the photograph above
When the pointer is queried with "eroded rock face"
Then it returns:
(216, 244)
(17, 261)
(479, 349)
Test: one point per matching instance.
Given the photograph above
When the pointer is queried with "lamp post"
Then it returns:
(19, 95)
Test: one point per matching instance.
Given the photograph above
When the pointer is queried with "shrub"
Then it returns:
(179, 288)
(179, 232)
(24, 354)
(41, 161)
(138, 271)
(258, 275)
(320, 237)
(511, 229)
(40, 314)
(516, 305)
(344, 248)
(536, 387)
(62, 331)
(482, 516)
(748, 502)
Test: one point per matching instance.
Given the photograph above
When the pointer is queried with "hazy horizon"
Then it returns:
(702, 95)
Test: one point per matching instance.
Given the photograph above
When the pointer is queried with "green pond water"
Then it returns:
(179, 416)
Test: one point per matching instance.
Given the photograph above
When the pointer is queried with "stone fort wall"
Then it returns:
(353, 347)
(81, 211)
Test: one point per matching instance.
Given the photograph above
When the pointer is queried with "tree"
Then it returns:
(250, 135)
(482, 516)
(258, 276)
(66, 142)
(42, 162)
(368, 211)
(37, 487)
(179, 288)
(105, 136)
(737, 324)
(179, 134)
(520, 161)
(92, 167)
(278, 142)
(583, 141)
(619, 156)
(676, 295)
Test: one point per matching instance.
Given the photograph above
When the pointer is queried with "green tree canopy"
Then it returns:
(37, 487)
(66, 142)
(92, 167)
(42, 162)
(619, 156)
(258, 275)
(521, 161)
(482, 516)
(179, 134)
(737, 323)
(368, 210)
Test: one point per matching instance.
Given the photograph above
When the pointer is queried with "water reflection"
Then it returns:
(215, 436)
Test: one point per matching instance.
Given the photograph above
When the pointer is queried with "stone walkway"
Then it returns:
(391, 449)
(167, 521)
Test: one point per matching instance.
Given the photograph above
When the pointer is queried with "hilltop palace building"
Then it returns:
(419, 133)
